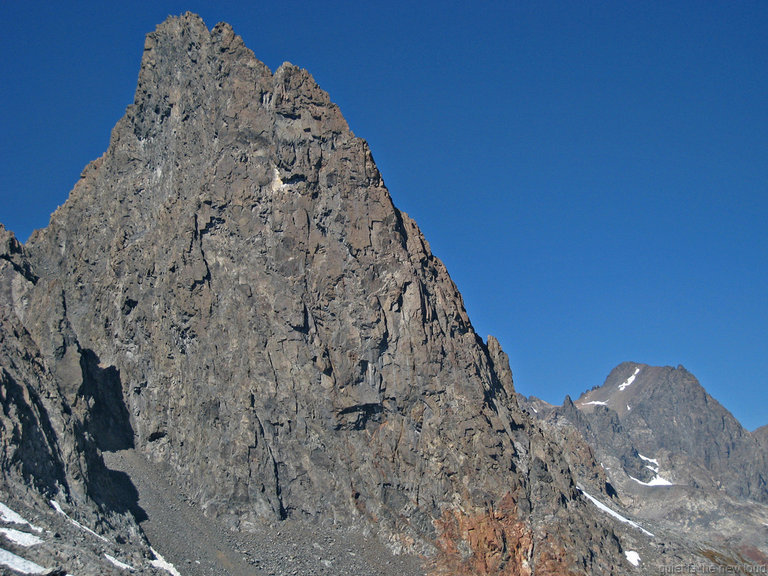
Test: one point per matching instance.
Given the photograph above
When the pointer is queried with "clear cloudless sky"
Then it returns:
(594, 174)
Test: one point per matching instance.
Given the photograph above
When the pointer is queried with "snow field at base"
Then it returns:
(8, 515)
(119, 564)
(21, 538)
(75, 522)
(162, 563)
(24, 566)
(9, 559)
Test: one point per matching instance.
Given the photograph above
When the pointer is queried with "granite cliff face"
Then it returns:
(230, 290)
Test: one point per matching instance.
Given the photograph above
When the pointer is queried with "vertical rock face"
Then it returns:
(58, 407)
(232, 284)
(29, 448)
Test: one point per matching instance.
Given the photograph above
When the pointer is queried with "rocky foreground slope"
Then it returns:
(230, 295)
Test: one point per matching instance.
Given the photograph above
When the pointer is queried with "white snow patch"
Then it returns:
(655, 481)
(534, 409)
(119, 564)
(277, 182)
(654, 470)
(162, 563)
(597, 403)
(651, 460)
(629, 380)
(653, 466)
(8, 515)
(75, 522)
(20, 564)
(616, 515)
(629, 407)
(632, 557)
(21, 538)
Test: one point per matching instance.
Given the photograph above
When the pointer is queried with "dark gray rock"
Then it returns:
(665, 409)
(230, 290)
(57, 411)
(673, 455)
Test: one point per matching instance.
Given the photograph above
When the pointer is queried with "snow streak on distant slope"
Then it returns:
(616, 515)
(651, 460)
(655, 481)
(629, 380)
(653, 466)
(75, 522)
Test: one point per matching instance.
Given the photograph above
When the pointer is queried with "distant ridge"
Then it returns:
(673, 454)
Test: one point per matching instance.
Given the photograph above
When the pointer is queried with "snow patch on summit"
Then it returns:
(629, 380)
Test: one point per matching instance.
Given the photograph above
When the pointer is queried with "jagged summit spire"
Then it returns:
(285, 340)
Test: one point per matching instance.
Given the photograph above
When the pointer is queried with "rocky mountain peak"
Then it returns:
(672, 453)
(665, 408)
(230, 292)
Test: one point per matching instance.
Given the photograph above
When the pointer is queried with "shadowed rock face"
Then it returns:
(58, 408)
(230, 289)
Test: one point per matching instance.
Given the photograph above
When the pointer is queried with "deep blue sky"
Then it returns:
(593, 174)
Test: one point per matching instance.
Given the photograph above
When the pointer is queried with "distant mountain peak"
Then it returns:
(673, 452)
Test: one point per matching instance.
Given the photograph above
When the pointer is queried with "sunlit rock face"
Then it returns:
(230, 290)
